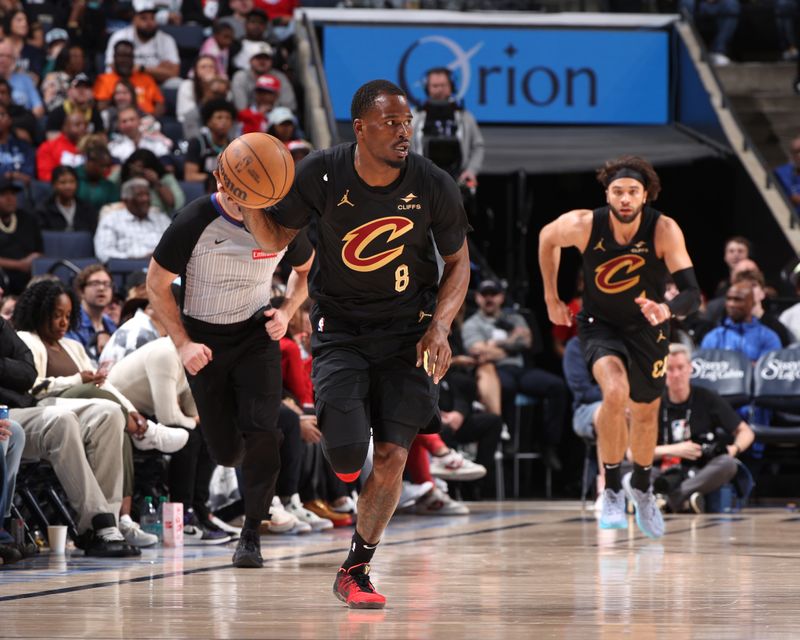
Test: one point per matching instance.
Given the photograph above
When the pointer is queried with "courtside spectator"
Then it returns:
(149, 98)
(12, 443)
(93, 329)
(20, 239)
(70, 436)
(23, 123)
(238, 19)
(132, 231)
(256, 116)
(165, 193)
(192, 91)
(70, 62)
(7, 304)
(135, 332)
(23, 89)
(283, 125)
(17, 158)
(254, 28)
(79, 100)
(493, 334)
(216, 89)
(201, 157)
(16, 29)
(243, 84)
(218, 46)
(133, 134)
(63, 210)
(54, 40)
(755, 279)
(154, 51)
(299, 149)
(93, 185)
(62, 150)
(124, 96)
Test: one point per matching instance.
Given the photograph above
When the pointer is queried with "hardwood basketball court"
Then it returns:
(510, 570)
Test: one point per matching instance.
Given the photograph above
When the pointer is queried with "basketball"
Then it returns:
(256, 170)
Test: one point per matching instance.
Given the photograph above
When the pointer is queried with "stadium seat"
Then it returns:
(121, 267)
(188, 37)
(520, 402)
(171, 128)
(193, 190)
(776, 386)
(729, 373)
(65, 269)
(170, 100)
(68, 244)
(36, 192)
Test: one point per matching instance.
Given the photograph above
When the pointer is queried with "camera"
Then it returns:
(711, 446)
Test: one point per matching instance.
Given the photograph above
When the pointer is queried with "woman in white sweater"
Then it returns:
(44, 313)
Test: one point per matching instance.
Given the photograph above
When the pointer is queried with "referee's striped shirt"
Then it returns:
(226, 277)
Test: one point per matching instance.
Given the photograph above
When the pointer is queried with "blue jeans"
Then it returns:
(726, 13)
(10, 457)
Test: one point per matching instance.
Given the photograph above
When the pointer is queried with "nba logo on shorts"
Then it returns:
(321, 325)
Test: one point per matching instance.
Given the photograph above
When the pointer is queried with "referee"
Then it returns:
(219, 331)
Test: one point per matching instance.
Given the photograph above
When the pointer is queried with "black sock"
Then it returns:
(640, 479)
(361, 552)
(251, 524)
(613, 476)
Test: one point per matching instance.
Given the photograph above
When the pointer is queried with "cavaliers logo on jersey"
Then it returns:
(356, 250)
(610, 277)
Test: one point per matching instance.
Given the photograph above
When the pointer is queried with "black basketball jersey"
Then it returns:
(375, 252)
(614, 274)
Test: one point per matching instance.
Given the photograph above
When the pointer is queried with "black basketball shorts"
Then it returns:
(643, 348)
(371, 381)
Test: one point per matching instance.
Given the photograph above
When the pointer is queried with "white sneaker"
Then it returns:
(133, 533)
(161, 438)
(413, 492)
(347, 505)
(438, 503)
(296, 508)
(283, 522)
(720, 60)
(234, 532)
(455, 467)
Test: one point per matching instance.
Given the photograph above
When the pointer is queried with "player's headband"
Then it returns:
(626, 172)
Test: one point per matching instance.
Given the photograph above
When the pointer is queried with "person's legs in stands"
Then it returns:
(490, 392)
(552, 390)
(717, 472)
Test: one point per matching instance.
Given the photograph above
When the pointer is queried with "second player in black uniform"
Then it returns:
(627, 248)
(382, 314)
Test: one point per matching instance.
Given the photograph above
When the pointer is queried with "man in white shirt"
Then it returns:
(154, 51)
(134, 231)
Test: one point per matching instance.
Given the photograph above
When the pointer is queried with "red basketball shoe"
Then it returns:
(354, 588)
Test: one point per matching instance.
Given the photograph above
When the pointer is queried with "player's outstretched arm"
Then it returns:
(433, 350)
(571, 229)
(270, 236)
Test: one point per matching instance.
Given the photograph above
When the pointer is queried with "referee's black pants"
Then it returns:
(238, 396)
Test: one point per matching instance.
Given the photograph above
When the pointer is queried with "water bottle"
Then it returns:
(149, 518)
(160, 513)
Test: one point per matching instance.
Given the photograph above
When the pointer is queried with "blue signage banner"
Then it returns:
(548, 76)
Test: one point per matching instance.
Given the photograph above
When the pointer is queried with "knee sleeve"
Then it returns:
(347, 460)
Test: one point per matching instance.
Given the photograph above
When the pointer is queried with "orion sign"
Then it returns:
(511, 75)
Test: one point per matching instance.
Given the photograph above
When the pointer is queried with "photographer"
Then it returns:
(445, 132)
(699, 437)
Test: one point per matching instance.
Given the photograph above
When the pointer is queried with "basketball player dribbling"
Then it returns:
(624, 324)
(382, 314)
(234, 369)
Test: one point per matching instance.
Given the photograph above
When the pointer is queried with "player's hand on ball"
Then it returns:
(433, 351)
(194, 356)
(277, 323)
(559, 312)
(656, 313)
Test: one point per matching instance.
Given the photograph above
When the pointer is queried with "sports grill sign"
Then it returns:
(530, 75)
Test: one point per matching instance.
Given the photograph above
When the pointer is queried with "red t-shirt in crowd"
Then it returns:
(295, 378)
